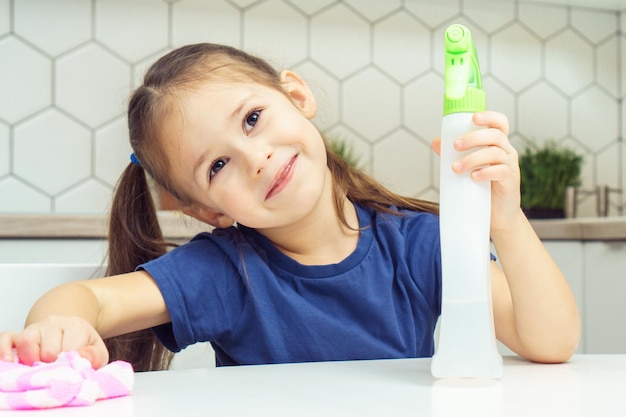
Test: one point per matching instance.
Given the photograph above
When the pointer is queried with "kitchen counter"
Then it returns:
(175, 226)
(584, 229)
(179, 227)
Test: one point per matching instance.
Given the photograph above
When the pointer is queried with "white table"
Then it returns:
(589, 385)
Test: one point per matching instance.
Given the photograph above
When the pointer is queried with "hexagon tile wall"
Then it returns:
(68, 67)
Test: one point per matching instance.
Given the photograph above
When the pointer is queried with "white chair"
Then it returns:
(22, 284)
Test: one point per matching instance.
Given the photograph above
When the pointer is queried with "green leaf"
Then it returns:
(546, 171)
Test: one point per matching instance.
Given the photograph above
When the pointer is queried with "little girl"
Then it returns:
(310, 259)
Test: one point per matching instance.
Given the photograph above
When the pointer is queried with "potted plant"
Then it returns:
(546, 171)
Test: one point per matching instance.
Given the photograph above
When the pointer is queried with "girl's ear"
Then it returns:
(299, 92)
(206, 215)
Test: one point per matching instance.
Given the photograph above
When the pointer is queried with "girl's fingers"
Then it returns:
(45, 341)
(27, 345)
(484, 137)
(493, 120)
(88, 343)
(97, 354)
(488, 156)
(7, 343)
(436, 145)
(495, 134)
(51, 343)
(492, 173)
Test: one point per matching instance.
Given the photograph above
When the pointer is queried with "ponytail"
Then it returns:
(134, 238)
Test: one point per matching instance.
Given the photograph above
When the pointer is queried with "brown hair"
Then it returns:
(134, 233)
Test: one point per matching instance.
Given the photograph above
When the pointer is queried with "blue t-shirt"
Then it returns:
(255, 305)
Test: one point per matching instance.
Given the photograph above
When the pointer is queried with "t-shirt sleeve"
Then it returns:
(202, 289)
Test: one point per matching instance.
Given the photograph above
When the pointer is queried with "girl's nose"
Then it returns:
(263, 160)
(257, 156)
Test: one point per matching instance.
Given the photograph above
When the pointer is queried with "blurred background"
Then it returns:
(67, 67)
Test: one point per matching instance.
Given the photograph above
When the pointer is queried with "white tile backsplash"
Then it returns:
(543, 20)
(621, 55)
(5, 17)
(110, 142)
(52, 152)
(401, 46)
(53, 26)
(88, 196)
(133, 29)
(25, 80)
(244, 3)
(423, 117)
(412, 162)
(490, 15)
(285, 47)
(374, 9)
(542, 112)
(340, 40)
(195, 21)
(569, 62)
(4, 150)
(377, 113)
(595, 119)
(310, 7)
(434, 13)
(516, 57)
(21, 197)
(68, 67)
(607, 60)
(92, 84)
(596, 26)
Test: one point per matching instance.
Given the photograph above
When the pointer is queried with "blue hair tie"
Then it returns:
(134, 159)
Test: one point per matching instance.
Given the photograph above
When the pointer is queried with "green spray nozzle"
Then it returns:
(462, 80)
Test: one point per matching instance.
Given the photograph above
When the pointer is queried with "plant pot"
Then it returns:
(544, 213)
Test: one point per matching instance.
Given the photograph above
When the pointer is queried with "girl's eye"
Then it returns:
(216, 167)
(251, 120)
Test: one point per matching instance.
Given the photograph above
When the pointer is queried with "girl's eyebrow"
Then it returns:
(241, 105)
(238, 109)
(203, 157)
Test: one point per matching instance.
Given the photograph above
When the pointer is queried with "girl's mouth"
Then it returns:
(282, 178)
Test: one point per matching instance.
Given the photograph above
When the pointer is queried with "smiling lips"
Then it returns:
(282, 178)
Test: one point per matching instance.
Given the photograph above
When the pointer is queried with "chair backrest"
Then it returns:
(22, 284)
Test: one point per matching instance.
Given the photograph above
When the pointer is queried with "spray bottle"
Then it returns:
(467, 345)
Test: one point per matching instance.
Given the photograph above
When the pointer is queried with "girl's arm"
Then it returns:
(77, 315)
(535, 312)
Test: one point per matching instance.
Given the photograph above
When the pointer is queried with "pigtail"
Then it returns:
(135, 237)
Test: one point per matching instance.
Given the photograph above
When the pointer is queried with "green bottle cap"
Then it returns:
(462, 81)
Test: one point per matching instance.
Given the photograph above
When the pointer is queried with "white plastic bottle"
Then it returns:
(467, 345)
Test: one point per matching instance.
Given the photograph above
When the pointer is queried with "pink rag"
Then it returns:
(69, 381)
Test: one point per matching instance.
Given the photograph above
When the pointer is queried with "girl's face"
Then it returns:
(245, 152)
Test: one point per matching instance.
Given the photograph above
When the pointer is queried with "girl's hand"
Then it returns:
(494, 159)
(44, 340)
